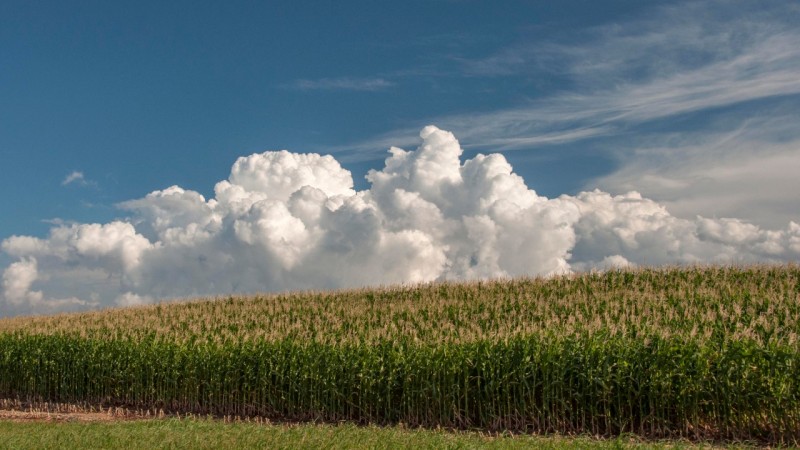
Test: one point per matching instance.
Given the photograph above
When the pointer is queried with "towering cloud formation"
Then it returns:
(293, 221)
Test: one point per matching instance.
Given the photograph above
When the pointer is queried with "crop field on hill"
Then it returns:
(708, 352)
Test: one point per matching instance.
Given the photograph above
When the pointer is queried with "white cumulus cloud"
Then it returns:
(286, 221)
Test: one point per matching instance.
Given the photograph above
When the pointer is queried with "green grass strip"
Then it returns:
(204, 434)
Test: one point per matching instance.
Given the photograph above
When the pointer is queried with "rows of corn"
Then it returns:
(707, 351)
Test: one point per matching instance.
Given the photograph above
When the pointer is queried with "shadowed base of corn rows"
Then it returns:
(598, 385)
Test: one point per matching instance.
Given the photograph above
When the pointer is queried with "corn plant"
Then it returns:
(694, 352)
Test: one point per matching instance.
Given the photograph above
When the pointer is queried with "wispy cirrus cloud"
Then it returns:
(340, 84)
(725, 71)
(624, 75)
(748, 171)
(77, 178)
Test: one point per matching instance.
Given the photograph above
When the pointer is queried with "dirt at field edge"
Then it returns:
(33, 416)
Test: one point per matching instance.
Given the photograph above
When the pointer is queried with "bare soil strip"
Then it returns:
(17, 411)
(36, 416)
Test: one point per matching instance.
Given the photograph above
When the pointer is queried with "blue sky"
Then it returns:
(694, 105)
(143, 95)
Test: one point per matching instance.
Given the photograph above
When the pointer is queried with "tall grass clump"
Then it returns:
(690, 352)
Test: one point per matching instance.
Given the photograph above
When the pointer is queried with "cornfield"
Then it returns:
(691, 352)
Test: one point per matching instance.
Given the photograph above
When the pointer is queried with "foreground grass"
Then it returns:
(207, 434)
